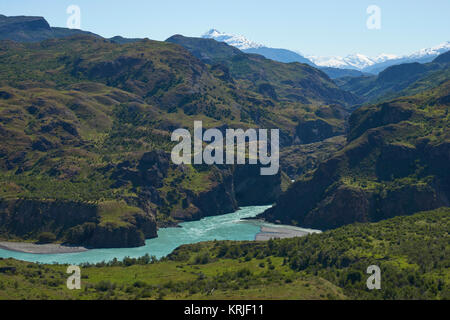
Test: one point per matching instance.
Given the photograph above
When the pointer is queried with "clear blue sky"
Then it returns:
(319, 27)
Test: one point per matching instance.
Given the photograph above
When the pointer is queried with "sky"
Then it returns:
(313, 27)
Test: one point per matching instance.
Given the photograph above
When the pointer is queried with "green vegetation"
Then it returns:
(281, 82)
(46, 237)
(399, 80)
(412, 252)
(84, 119)
(395, 162)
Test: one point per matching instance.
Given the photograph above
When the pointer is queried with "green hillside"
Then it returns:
(293, 82)
(412, 253)
(396, 162)
(399, 80)
(86, 121)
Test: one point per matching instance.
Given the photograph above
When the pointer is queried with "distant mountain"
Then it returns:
(379, 63)
(354, 61)
(248, 46)
(421, 56)
(294, 82)
(32, 29)
(336, 73)
(399, 80)
(239, 42)
(281, 55)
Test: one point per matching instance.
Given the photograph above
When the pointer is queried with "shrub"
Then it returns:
(46, 237)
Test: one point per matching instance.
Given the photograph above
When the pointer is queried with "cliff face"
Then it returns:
(116, 224)
(130, 232)
(396, 162)
(252, 189)
(74, 223)
(30, 217)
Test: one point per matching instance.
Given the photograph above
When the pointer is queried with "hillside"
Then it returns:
(33, 29)
(86, 125)
(293, 82)
(412, 253)
(399, 80)
(396, 162)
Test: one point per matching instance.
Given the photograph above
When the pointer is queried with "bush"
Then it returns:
(105, 286)
(46, 237)
(202, 258)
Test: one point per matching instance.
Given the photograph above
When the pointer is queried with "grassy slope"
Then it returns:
(293, 82)
(72, 107)
(395, 162)
(412, 252)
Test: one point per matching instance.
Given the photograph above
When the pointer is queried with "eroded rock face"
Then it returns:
(370, 180)
(252, 189)
(30, 217)
(314, 131)
(227, 187)
(130, 232)
(74, 223)
(219, 199)
(344, 206)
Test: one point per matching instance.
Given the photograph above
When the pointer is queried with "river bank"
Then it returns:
(272, 231)
(233, 226)
(267, 233)
(50, 248)
(221, 227)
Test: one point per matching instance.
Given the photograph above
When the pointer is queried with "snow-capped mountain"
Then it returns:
(239, 42)
(354, 61)
(248, 46)
(358, 61)
(434, 51)
(378, 63)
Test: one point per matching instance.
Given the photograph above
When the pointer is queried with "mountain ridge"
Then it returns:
(379, 63)
(356, 61)
(276, 54)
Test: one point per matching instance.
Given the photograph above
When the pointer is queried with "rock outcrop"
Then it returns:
(75, 223)
(396, 162)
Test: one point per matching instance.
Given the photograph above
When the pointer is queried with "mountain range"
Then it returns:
(277, 54)
(382, 61)
(399, 80)
(358, 62)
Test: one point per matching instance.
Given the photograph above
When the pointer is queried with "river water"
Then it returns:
(222, 227)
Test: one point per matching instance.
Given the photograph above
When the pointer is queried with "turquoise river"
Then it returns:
(223, 227)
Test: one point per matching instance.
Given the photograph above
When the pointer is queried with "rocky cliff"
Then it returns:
(396, 162)
(74, 223)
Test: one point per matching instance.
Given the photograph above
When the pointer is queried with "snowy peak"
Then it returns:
(434, 51)
(352, 61)
(355, 61)
(237, 41)
(360, 61)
